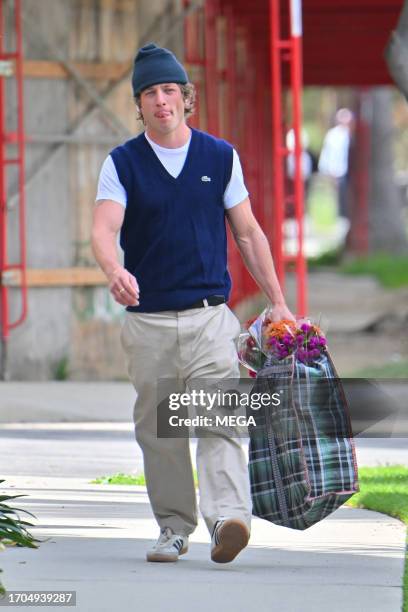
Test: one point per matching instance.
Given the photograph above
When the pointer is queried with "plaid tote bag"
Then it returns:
(302, 460)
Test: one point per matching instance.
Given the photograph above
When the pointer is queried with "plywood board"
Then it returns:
(55, 277)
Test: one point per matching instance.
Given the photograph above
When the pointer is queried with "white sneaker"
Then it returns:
(168, 547)
(228, 538)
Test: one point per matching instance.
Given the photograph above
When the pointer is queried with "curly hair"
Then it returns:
(188, 92)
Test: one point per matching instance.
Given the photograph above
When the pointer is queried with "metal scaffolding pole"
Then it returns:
(17, 138)
(287, 50)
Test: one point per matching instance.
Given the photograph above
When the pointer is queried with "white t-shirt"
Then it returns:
(305, 165)
(110, 187)
(334, 156)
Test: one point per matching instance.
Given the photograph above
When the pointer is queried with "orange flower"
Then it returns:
(280, 329)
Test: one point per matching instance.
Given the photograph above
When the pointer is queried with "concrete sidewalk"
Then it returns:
(353, 560)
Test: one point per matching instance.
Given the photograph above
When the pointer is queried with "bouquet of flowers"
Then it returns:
(265, 340)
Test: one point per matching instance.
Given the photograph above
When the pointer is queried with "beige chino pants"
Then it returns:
(185, 345)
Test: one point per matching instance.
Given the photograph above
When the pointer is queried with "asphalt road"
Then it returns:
(88, 450)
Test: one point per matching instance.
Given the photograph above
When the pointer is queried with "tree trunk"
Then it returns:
(386, 225)
(396, 52)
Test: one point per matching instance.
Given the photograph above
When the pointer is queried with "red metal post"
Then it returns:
(192, 57)
(260, 135)
(290, 51)
(250, 151)
(296, 86)
(211, 76)
(21, 166)
(277, 164)
(3, 196)
(18, 139)
(231, 73)
(234, 258)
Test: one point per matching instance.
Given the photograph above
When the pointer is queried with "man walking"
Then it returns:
(168, 192)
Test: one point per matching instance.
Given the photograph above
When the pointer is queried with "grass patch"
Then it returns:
(129, 479)
(385, 489)
(398, 369)
(322, 204)
(390, 270)
(121, 479)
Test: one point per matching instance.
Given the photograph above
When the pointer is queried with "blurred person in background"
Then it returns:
(309, 162)
(334, 157)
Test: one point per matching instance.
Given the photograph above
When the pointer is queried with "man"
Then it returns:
(308, 163)
(168, 191)
(334, 157)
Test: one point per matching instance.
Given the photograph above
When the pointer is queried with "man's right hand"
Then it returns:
(123, 286)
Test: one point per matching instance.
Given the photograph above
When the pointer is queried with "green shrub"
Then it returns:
(13, 530)
(390, 270)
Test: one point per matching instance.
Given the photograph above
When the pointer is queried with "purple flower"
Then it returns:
(305, 327)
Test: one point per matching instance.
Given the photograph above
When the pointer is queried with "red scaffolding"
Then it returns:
(246, 82)
(11, 155)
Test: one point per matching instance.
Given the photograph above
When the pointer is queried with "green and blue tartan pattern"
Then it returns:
(302, 461)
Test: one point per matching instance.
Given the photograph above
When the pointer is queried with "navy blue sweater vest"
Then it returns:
(173, 234)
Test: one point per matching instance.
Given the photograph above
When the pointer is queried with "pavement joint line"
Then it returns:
(70, 425)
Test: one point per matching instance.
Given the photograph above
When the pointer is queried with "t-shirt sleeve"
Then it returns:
(109, 185)
(235, 191)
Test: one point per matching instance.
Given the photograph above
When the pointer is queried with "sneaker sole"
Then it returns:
(163, 558)
(233, 537)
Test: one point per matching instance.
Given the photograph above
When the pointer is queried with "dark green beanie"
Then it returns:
(155, 65)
